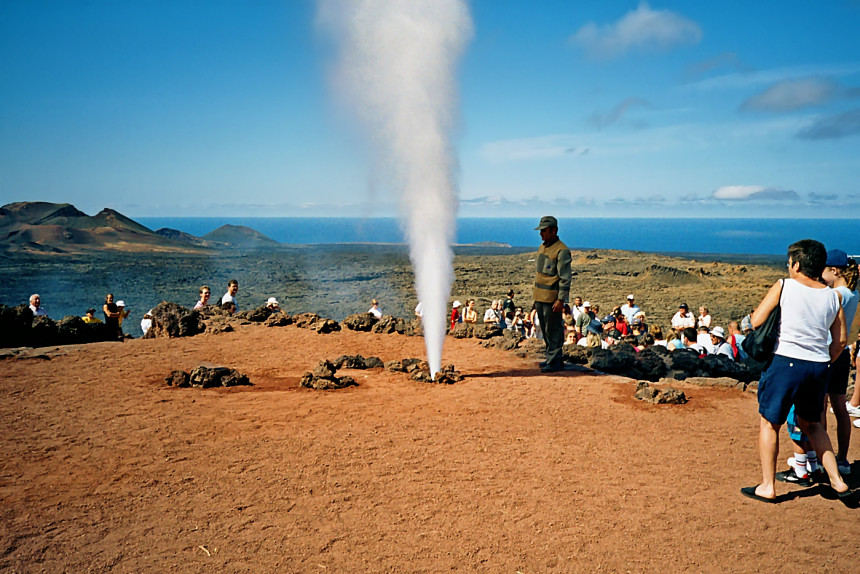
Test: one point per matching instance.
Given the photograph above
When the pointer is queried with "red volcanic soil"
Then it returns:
(104, 468)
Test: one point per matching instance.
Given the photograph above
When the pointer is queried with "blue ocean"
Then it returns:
(685, 235)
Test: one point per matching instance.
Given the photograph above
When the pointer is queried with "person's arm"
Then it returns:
(564, 279)
(839, 333)
(108, 312)
(767, 305)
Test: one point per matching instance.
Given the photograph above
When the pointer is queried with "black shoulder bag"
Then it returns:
(761, 343)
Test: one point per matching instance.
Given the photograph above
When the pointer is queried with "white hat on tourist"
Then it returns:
(457, 304)
(120, 303)
(586, 304)
(718, 332)
(630, 297)
(272, 301)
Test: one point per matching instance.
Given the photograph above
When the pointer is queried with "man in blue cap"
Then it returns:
(552, 291)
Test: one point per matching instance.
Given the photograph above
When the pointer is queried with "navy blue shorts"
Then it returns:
(788, 382)
(837, 382)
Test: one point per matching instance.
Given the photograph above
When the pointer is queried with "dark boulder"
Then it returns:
(649, 365)
(172, 320)
(207, 377)
(72, 329)
(177, 379)
(607, 361)
(278, 319)
(325, 368)
(667, 395)
(258, 315)
(486, 330)
(373, 363)
(15, 325)
(575, 354)
(388, 324)
(360, 322)
(44, 332)
(305, 320)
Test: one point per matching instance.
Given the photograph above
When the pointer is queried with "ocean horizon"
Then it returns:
(739, 236)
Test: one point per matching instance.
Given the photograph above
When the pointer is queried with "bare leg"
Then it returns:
(823, 447)
(843, 425)
(768, 448)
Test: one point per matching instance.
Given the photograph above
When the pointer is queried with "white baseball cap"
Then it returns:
(120, 303)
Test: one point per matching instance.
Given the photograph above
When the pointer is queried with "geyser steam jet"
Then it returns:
(397, 68)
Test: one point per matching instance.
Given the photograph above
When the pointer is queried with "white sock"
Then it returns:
(800, 465)
(811, 461)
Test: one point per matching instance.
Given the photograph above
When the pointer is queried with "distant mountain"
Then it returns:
(240, 236)
(42, 227)
(183, 237)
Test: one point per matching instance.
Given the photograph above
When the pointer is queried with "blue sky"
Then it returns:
(590, 109)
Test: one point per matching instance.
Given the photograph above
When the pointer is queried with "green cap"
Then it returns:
(547, 221)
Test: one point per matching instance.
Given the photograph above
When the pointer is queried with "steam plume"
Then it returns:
(397, 64)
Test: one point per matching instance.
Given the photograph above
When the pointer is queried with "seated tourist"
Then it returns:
(35, 306)
(703, 338)
(584, 319)
(205, 293)
(657, 333)
(374, 309)
(229, 307)
(674, 342)
(493, 315)
(90, 317)
(146, 322)
(704, 319)
(683, 318)
(230, 295)
(470, 315)
(689, 338)
(719, 344)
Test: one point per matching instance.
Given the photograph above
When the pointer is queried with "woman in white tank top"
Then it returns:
(797, 375)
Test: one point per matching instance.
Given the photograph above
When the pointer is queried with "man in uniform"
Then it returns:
(552, 290)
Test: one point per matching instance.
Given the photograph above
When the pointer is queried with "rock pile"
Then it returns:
(386, 324)
(419, 370)
(18, 328)
(667, 395)
(204, 377)
(316, 323)
(323, 378)
(172, 320)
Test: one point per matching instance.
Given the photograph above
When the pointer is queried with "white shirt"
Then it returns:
(679, 322)
(807, 314)
(375, 312)
(38, 312)
(724, 348)
(629, 311)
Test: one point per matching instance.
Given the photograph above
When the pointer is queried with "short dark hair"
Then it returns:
(811, 255)
(690, 334)
(232, 282)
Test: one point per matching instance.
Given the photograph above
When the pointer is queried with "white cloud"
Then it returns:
(790, 95)
(753, 192)
(642, 28)
(743, 80)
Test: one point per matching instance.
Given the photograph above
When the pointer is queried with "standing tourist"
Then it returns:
(630, 308)
(112, 315)
(840, 273)
(797, 374)
(551, 291)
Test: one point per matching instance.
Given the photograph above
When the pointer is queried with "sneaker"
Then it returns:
(856, 423)
(852, 411)
(844, 466)
(791, 476)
